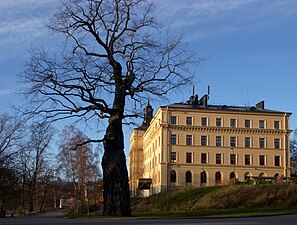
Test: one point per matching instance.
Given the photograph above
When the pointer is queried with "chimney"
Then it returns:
(260, 105)
(203, 100)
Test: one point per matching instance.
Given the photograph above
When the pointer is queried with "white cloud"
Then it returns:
(22, 23)
(206, 18)
(21, 30)
(190, 12)
(25, 4)
(6, 92)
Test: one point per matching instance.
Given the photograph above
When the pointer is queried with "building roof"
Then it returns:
(257, 108)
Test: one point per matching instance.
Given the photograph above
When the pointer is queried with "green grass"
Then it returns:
(219, 200)
(203, 202)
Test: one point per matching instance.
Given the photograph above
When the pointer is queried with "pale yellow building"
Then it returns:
(196, 144)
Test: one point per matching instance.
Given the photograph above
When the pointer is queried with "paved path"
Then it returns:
(55, 218)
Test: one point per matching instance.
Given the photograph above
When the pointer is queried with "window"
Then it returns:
(188, 177)
(188, 157)
(261, 142)
(173, 157)
(218, 141)
(173, 176)
(262, 160)
(261, 124)
(189, 121)
(232, 141)
(262, 174)
(232, 122)
(204, 121)
(203, 140)
(232, 159)
(218, 122)
(276, 160)
(276, 143)
(218, 177)
(247, 142)
(203, 158)
(173, 139)
(276, 125)
(232, 175)
(247, 123)
(247, 176)
(218, 159)
(203, 177)
(247, 160)
(173, 119)
(189, 139)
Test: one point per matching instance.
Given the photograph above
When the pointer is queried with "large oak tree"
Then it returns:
(113, 58)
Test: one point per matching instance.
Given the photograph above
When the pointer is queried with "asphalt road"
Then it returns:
(54, 218)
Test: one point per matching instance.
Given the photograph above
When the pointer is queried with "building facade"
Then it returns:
(196, 144)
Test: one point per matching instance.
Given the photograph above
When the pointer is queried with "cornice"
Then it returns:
(227, 129)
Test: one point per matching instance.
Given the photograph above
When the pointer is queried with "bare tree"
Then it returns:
(293, 153)
(10, 133)
(114, 57)
(8, 185)
(34, 164)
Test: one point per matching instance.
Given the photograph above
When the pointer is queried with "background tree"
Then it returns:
(8, 186)
(114, 57)
(293, 153)
(35, 166)
(10, 134)
(79, 163)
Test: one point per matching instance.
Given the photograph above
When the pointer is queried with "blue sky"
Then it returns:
(249, 46)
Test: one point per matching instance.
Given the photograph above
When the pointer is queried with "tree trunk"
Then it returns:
(31, 194)
(115, 175)
(31, 202)
(43, 198)
(2, 212)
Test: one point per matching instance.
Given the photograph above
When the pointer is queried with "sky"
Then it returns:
(249, 48)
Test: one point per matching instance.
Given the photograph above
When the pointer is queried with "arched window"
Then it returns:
(247, 176)
(262, 175)
(218, 177)
(173, 176)
(188, 177)
(232, 175)
(203, 177)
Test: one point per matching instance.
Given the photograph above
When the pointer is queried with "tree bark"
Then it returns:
(115, 175)
(43, 198)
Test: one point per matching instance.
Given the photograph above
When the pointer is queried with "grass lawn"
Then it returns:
(200, 214)
(217, 213)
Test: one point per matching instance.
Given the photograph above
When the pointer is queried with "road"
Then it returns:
(55, 218)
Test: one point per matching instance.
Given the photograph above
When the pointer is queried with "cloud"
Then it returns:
(23, 23)
(219, 18)
(6, 92)
(194, 12)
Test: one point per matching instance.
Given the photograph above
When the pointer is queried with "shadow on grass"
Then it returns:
(217, 213)
(198, 214)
